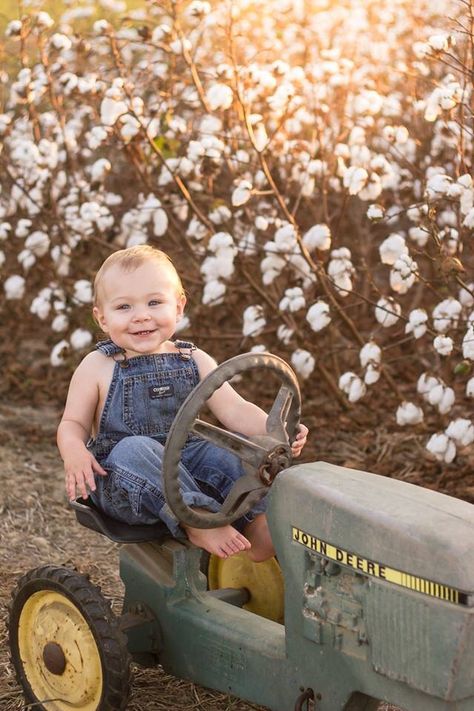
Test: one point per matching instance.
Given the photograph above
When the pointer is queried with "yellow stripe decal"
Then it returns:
(378, 570)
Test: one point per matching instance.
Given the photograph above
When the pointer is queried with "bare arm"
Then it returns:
(236, 413)
(76, 425)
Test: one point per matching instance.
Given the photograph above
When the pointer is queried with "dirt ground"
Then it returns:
(37, 527)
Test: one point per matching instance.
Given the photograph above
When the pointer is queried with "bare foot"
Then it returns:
(223, 542)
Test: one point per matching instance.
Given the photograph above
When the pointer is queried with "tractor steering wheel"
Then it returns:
(263, 456)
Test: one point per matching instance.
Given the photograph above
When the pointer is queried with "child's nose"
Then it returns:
(141, 314)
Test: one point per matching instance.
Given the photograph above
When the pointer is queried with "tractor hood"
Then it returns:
(376, 524)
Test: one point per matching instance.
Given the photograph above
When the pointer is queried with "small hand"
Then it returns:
(300, 441)
(79, 474)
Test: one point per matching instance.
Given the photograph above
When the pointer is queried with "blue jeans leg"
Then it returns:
(132, 491)
(216, 470)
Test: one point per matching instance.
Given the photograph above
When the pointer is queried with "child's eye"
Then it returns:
(154, 302)
(121, 307)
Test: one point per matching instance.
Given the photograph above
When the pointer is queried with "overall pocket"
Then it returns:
(151, 400)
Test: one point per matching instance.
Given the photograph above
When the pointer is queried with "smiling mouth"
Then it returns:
(142, 333)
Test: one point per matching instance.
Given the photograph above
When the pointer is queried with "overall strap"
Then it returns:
(108, 347)
(185, 348)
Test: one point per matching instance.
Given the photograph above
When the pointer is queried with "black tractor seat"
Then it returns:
(90, 516)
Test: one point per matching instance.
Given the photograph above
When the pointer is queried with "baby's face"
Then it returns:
(139, 309)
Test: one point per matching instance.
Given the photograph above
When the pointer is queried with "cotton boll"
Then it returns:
(41, 304)
(111, 109)
(420, 235)
(242, 193)
(14, 287)
(446, 315)
(2, 258)
(403, 274)
(90, 211)
(355, 179)
(13, 29)
(261, 223)
(271, 267)
(303, 362)
(409, 414)
(213, 293)
(293, 300)
(247, 244)
(417, 323)
(220, 214)
(178, 46)
(196, 229)
(260, 137)
(387, 311)
(318, 237)
(130, 127)
(441, 42)
(221, 241)
(392, 248)
(219, 96)
(60, 41)
(437, 186)
(43, 20)
(83, 291)
(254, 321)
(470, 388)
(59, 353)
(443, 345)
(5, 228)
(318, 316)
(100, 169)
(370, 354)
(468, 344)
(160, 222)
(372, 374)
(461, 431)
(352, 386)
(447, 401)
(80, 339)
(60, 323)
(38, 243)
(465, 296)
(340, 270)
(96, 136)
(22, 227)
(426, 383)
(26, 258)
(285, 334)
(442, 447)
(375, 212)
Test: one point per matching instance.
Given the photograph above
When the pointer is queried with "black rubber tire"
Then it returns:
(101, 621)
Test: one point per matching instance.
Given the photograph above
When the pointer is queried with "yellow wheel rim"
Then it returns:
(264, 581)
(59, 654)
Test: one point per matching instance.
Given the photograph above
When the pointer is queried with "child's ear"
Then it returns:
(180, 307)
(99, 319)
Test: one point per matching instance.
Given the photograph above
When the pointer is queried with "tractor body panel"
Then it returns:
(378, 600)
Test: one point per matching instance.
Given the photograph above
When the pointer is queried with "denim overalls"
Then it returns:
(144, 396)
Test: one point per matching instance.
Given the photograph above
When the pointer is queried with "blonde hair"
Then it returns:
(130, 259)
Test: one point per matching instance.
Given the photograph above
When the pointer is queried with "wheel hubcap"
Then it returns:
(54, 659)
(60, 657)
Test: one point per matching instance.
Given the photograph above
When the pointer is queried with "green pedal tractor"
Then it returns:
(372, 597)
